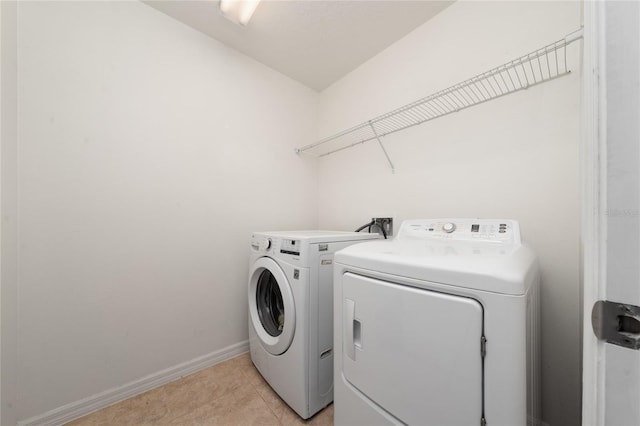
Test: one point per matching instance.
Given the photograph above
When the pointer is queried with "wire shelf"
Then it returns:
(545, 64)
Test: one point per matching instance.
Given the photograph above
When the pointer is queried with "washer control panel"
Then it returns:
(493, 230)
(264, 244)
(290, 247)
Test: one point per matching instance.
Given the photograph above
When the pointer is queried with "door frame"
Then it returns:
(611, 45)
(593, 223)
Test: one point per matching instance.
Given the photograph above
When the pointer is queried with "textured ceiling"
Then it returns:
(315, 42)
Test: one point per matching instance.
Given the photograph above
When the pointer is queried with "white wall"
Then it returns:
(515, 157)
(148, 152)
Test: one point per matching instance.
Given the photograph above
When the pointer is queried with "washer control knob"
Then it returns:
(449, 227)
(265, 244)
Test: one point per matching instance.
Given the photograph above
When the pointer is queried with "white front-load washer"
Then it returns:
(437, 327)
(291, 313)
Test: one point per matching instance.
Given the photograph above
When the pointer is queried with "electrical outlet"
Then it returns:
(383, 222)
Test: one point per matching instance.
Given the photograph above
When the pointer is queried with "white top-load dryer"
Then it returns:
(291, 312)
(437, 327)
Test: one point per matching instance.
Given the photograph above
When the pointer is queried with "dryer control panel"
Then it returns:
(503, 231)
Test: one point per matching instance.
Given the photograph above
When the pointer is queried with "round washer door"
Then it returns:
(271, 306)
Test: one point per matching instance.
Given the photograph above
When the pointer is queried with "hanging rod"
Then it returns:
(539, 66)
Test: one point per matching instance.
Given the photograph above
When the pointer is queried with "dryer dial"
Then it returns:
(449, 227)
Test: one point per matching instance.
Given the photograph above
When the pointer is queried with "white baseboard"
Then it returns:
(77, 409)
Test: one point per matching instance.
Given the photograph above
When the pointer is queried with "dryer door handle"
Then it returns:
(348, 326)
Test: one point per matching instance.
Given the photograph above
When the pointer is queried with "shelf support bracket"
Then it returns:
(373, 129)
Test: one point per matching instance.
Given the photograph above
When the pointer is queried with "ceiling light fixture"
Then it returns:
(238, 11)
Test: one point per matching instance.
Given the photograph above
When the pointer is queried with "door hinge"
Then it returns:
(483, 346)
(616, 323)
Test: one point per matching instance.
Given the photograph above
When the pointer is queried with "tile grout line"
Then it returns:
(255, 389)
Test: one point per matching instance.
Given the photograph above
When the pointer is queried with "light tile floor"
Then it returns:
(229, 393)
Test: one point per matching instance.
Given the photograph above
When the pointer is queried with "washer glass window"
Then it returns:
(270, 304)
